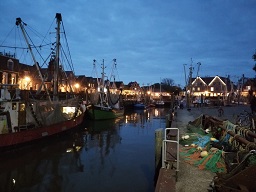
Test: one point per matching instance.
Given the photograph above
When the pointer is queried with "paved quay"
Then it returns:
(189, 177)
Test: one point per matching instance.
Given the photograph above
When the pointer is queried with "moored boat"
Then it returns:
(159, 103)
(104, 109)
(23, 118)
(139, 106)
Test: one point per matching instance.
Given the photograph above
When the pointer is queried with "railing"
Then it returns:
(164, 148)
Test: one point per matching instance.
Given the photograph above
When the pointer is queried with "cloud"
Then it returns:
(150, 39)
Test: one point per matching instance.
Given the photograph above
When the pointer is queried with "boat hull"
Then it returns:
(139, 106)
(159, 105)
(15, 139)
(98, 113)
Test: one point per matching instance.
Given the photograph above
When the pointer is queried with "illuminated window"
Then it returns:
(14, 106)
(212, 88)
(5, 75)
(22, 107)
(13, 79)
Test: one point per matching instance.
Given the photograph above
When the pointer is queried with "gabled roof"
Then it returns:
(209, 80)
(198, 79)
(217, 78)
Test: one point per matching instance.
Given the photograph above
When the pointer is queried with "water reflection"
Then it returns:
(99, 156)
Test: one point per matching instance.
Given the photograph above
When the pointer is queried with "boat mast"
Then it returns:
(57, 60)
(20, 23)
(102, 86)
(161, 97)
(190, 83)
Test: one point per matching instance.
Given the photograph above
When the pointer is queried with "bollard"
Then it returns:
(158, 145)
(167, 121)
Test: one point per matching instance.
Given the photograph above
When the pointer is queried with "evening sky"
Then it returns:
(151, 39)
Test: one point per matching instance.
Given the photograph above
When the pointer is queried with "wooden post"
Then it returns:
(158, 145)
(167, 121)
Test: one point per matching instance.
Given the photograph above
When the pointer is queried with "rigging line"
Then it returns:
(33, 46)
(44, 37)
(44, 61)
(67, 44)
(21, 42)
(63, 52)
(39, 35)
(95, 69)
(7, 35)
(112, 74)
(117, 70)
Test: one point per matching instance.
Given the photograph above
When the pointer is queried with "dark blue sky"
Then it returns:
(151, 39)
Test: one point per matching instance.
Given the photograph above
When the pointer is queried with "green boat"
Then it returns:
(98, 112)
(103, 110)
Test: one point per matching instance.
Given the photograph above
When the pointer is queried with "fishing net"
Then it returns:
(213, 162)
(199, 140)
(47, 112)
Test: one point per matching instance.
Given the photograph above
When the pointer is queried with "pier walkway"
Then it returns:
(190, 178)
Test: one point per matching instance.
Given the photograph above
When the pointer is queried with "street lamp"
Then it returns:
(77, 86)
(27, 81)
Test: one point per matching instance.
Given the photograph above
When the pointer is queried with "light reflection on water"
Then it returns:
(113, 155)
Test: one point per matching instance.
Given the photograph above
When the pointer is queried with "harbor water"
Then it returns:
(113, 155)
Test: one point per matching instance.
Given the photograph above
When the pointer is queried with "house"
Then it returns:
(247, 87)
(116, 87)
(9, 69)
(26, 77)
(133, 91)
(211, 88)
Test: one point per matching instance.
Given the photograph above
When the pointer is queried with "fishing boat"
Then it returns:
(105, 108)
(23, 117)
(139, 106)
(160, 102)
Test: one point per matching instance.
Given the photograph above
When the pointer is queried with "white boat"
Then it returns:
(160, 102)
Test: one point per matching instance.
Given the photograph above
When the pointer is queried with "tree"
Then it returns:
(168, 81)
(254, 58)
(169, 86)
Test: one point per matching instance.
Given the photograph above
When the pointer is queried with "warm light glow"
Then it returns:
(27, 78)
(156, 113)
(69, 110)
(77, 85)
